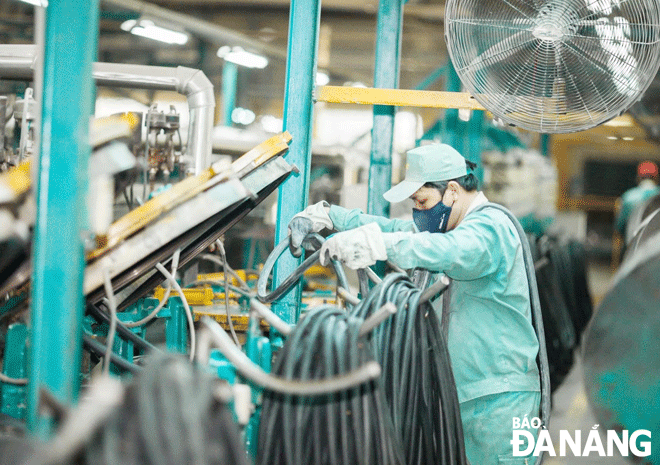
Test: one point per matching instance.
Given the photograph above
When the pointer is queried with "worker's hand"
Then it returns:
(357, 248)
(312, 219)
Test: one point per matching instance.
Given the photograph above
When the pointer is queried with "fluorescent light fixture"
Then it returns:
(322, 78)
(146, 28)
(242, 57)
(43, 3)
(612, 138)
(628, 138)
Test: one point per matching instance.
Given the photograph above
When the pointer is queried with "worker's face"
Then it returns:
(428, 197)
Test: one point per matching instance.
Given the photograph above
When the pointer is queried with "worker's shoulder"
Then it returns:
(491, 216)
(492, 211)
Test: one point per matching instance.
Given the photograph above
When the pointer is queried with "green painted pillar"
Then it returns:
(474, 138)
(545, 145)
(304, 21)
(386, 75)
(58, 260)
(229, 85)
(453, 134)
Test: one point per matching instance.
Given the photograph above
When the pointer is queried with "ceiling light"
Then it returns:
(146, 28)
(322, 78)
(36, 2)
(628, 138)
(612, 138)
(242, 57)
(242, 116)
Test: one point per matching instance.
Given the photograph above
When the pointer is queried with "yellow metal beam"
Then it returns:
(397, 97)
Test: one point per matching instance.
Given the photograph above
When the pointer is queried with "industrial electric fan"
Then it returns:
(554, 66)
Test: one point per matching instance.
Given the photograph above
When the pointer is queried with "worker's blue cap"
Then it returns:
(428, 163)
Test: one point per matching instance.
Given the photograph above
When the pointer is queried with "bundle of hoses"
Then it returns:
(170, 415)
(348, 427)
(411, 415)
(417, 378)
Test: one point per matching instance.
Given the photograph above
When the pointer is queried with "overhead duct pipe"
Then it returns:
(17, 62)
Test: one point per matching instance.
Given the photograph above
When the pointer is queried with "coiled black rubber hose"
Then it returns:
(169, 416)
(347, 428)
(417, 378)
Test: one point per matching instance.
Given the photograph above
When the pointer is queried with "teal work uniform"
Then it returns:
(491, 340)
(630, 199)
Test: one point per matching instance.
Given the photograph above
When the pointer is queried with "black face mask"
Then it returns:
(434, 219)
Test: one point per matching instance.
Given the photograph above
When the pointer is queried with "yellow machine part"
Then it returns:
(202, 296)
(17, 180)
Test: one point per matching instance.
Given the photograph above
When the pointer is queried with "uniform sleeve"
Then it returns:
(472, 250)
(344, 219)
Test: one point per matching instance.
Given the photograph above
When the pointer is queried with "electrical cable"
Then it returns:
(17, 381)
(172, 413)
(163, 301)
(189, 316)
(95, 347)
(123, 331)
(419, 421)
(221, 250)
(417, 381)
(312, 241)
(112, 307)
(221, 262)
(347, 427)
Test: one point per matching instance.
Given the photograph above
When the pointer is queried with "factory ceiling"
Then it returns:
(346, 44)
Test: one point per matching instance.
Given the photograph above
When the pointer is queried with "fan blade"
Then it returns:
(500, 51)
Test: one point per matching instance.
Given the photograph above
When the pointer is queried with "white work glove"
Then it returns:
(312, 219)
(357, 248)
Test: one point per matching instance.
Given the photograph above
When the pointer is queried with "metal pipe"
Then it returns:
(56, 309)
(18, 62)
(376, 318)
(190, 82)
(304, 24)
(434, 289)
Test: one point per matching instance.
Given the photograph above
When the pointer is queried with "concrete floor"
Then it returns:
(570, 408)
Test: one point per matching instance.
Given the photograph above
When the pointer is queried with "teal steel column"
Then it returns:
(229, 84)
(545, 144)
(386, 76)
(474, 139)
(453, 129)
(304, 22)
(58, 260)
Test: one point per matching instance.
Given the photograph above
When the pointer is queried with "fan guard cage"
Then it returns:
(554, 66)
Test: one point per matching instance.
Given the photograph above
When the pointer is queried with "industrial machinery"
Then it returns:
(356, 380)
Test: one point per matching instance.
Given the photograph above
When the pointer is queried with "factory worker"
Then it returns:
(491, 340)
(647, 187)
